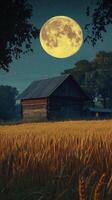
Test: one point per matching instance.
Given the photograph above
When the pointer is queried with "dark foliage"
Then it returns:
(16, 31)
(7, 102)
(95, 77)
(101, 17)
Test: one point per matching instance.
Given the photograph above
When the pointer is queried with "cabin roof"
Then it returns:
(100, 110)
(44, 88)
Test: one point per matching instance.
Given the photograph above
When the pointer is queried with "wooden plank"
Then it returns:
(35, 118)
(37, 104)
(29, 107)
(35, 115)
(35, 110)
(34, 101)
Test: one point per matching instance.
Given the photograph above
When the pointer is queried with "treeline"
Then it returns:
(8, 107)
(95, 77)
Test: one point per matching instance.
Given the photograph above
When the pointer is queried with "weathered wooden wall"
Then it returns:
(64, 108)
(34, 109)
(69, 89)
(66, 102)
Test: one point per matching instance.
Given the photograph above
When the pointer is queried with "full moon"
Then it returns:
(61, 36)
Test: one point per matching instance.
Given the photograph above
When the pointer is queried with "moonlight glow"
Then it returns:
(61, 36)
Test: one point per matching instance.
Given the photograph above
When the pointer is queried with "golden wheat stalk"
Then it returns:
(82, 191)
(99, 186)
(109, 185)
(40, 150)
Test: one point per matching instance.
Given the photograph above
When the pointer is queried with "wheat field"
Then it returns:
(59, 160)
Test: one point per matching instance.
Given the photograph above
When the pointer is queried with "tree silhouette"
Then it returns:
(16, 31)
(101, 17)
(7, 102)
(95, 77)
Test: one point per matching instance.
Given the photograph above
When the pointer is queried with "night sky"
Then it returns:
(39, 65)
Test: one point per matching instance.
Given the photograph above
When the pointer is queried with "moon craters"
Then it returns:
(61, 36)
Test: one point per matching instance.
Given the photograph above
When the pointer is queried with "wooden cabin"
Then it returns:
(58, 98)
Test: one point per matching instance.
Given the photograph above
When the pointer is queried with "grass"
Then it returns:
(54, 161)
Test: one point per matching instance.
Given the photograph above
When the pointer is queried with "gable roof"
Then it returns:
(101, 110)
(44, 88)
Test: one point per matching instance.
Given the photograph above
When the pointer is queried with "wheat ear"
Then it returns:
(82, 191)
(99, 186)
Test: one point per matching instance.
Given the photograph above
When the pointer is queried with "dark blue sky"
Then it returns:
(39, 65)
